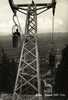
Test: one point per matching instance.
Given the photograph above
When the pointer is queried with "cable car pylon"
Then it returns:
(28, 75)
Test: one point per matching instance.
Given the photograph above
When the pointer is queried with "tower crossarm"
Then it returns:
(24, 7)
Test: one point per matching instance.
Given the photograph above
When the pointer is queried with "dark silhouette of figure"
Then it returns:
(17, 32)
(15, 38)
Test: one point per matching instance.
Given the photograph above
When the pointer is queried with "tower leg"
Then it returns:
(28, 76)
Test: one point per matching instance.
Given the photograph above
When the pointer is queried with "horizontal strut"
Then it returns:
(39, 4)
(18, 7)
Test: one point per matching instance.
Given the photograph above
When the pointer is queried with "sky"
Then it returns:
(44, 21)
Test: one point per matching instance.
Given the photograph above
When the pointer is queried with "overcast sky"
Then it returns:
(44, 20)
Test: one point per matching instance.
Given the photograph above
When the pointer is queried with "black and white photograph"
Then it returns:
(34, 50)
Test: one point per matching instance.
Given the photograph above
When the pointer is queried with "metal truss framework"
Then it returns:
(28, 75)
(28, 70)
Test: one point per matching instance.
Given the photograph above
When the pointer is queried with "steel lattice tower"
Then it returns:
(28, 75)
(28, 79)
